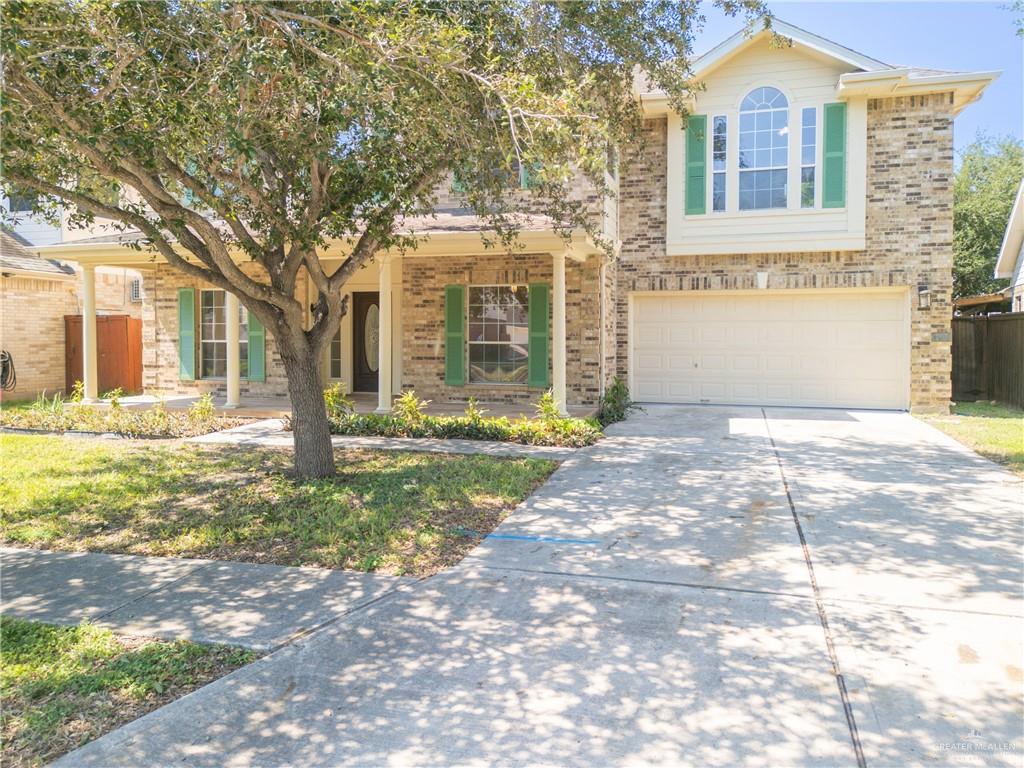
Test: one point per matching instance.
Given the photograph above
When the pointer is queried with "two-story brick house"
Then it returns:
(787, 243)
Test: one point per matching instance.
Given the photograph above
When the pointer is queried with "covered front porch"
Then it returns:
(397, 334)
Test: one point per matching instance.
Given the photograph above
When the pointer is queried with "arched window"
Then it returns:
(764, 149)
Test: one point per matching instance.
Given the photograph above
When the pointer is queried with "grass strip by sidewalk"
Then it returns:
(994, 431)
(61, 687)
(385, 511)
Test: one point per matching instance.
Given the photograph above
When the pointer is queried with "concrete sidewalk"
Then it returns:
(246, 604)
(270, 433)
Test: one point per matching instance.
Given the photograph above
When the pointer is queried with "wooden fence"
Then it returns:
(988, 358)
(118, 352)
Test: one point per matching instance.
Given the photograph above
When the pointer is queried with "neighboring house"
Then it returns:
(788, 244)
(20, 220)
(1010, 264)
(35, 296)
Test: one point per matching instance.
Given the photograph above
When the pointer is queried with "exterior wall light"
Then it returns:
(924, 297)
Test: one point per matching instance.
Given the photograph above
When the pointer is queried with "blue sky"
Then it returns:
(959, 36)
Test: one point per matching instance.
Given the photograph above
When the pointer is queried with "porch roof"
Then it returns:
(452, 232)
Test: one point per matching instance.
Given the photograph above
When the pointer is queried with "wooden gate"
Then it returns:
(988, 358)
(119, 352)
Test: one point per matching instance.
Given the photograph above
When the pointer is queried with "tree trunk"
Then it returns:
(314, 455)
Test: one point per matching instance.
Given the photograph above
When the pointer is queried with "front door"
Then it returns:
(365, 340)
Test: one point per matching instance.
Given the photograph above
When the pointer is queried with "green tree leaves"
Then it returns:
(983, 193)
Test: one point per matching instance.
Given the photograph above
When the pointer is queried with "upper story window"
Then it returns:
(764, 149)
(808, 155)
(22, 201)
(719, 135)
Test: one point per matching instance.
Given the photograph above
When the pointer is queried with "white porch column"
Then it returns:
(90, 376)
(384, 337)
(234, 371)
(558, 332)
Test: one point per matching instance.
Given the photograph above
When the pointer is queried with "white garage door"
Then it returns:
(841, 349)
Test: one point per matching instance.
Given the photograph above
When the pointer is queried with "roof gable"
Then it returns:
(739, 42)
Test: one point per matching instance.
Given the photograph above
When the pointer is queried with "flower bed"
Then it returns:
(571, 433)
(59, 415)
(409, 420)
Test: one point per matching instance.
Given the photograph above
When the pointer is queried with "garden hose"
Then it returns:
(8, 379)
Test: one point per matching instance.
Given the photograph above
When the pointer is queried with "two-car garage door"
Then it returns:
(835, 349)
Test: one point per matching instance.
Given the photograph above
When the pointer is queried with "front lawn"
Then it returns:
(63, 686)
(994, 431)
(394, 512)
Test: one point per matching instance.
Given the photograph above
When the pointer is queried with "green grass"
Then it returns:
(63, 686)
(394, 512)
(994, 431)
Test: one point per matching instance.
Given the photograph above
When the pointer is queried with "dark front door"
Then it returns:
(365, 337)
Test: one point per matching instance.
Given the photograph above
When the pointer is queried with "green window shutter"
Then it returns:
(537, 370)
(186, 334)
(696, 162)
(833, 176)
(528, 173)
(458, 185)
(257, 350)
(454, 335)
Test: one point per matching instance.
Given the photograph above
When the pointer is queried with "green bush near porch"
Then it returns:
(570, 433)
(409, 419)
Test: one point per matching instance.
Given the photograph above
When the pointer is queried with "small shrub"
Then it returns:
(202, 411)
(114, 396)
(616, 403)
(474, 412)
(47, 406)
(77, 392)
(337, 401)
(547, 407)
(410, 408)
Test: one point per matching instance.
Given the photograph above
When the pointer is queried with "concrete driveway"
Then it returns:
(707, 586)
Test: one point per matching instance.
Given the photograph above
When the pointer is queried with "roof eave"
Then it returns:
(1013, 237)
(967, 87)
(38, 275)
(580, 245)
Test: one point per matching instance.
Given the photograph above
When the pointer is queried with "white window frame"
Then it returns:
(470, 343)
(771, 168)
(724, 173)
(815, 164)
(243, 337)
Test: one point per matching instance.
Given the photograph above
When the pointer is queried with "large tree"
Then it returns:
(983, 193)
(262, 131)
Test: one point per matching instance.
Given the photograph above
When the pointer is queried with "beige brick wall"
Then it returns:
(160, 341)
(423, 283)
(32, 331)
(909, 236)
(113, 292)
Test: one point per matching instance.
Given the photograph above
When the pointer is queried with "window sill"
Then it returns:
(724, 215)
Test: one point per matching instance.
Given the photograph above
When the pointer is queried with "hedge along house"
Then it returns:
(787, 243)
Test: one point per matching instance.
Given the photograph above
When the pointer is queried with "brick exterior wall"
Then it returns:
(909, 236)
(113, 292)
(909, 242)
(32, 331)
(160, 341)
(423, 283)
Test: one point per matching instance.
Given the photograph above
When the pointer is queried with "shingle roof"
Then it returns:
(14, 255)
